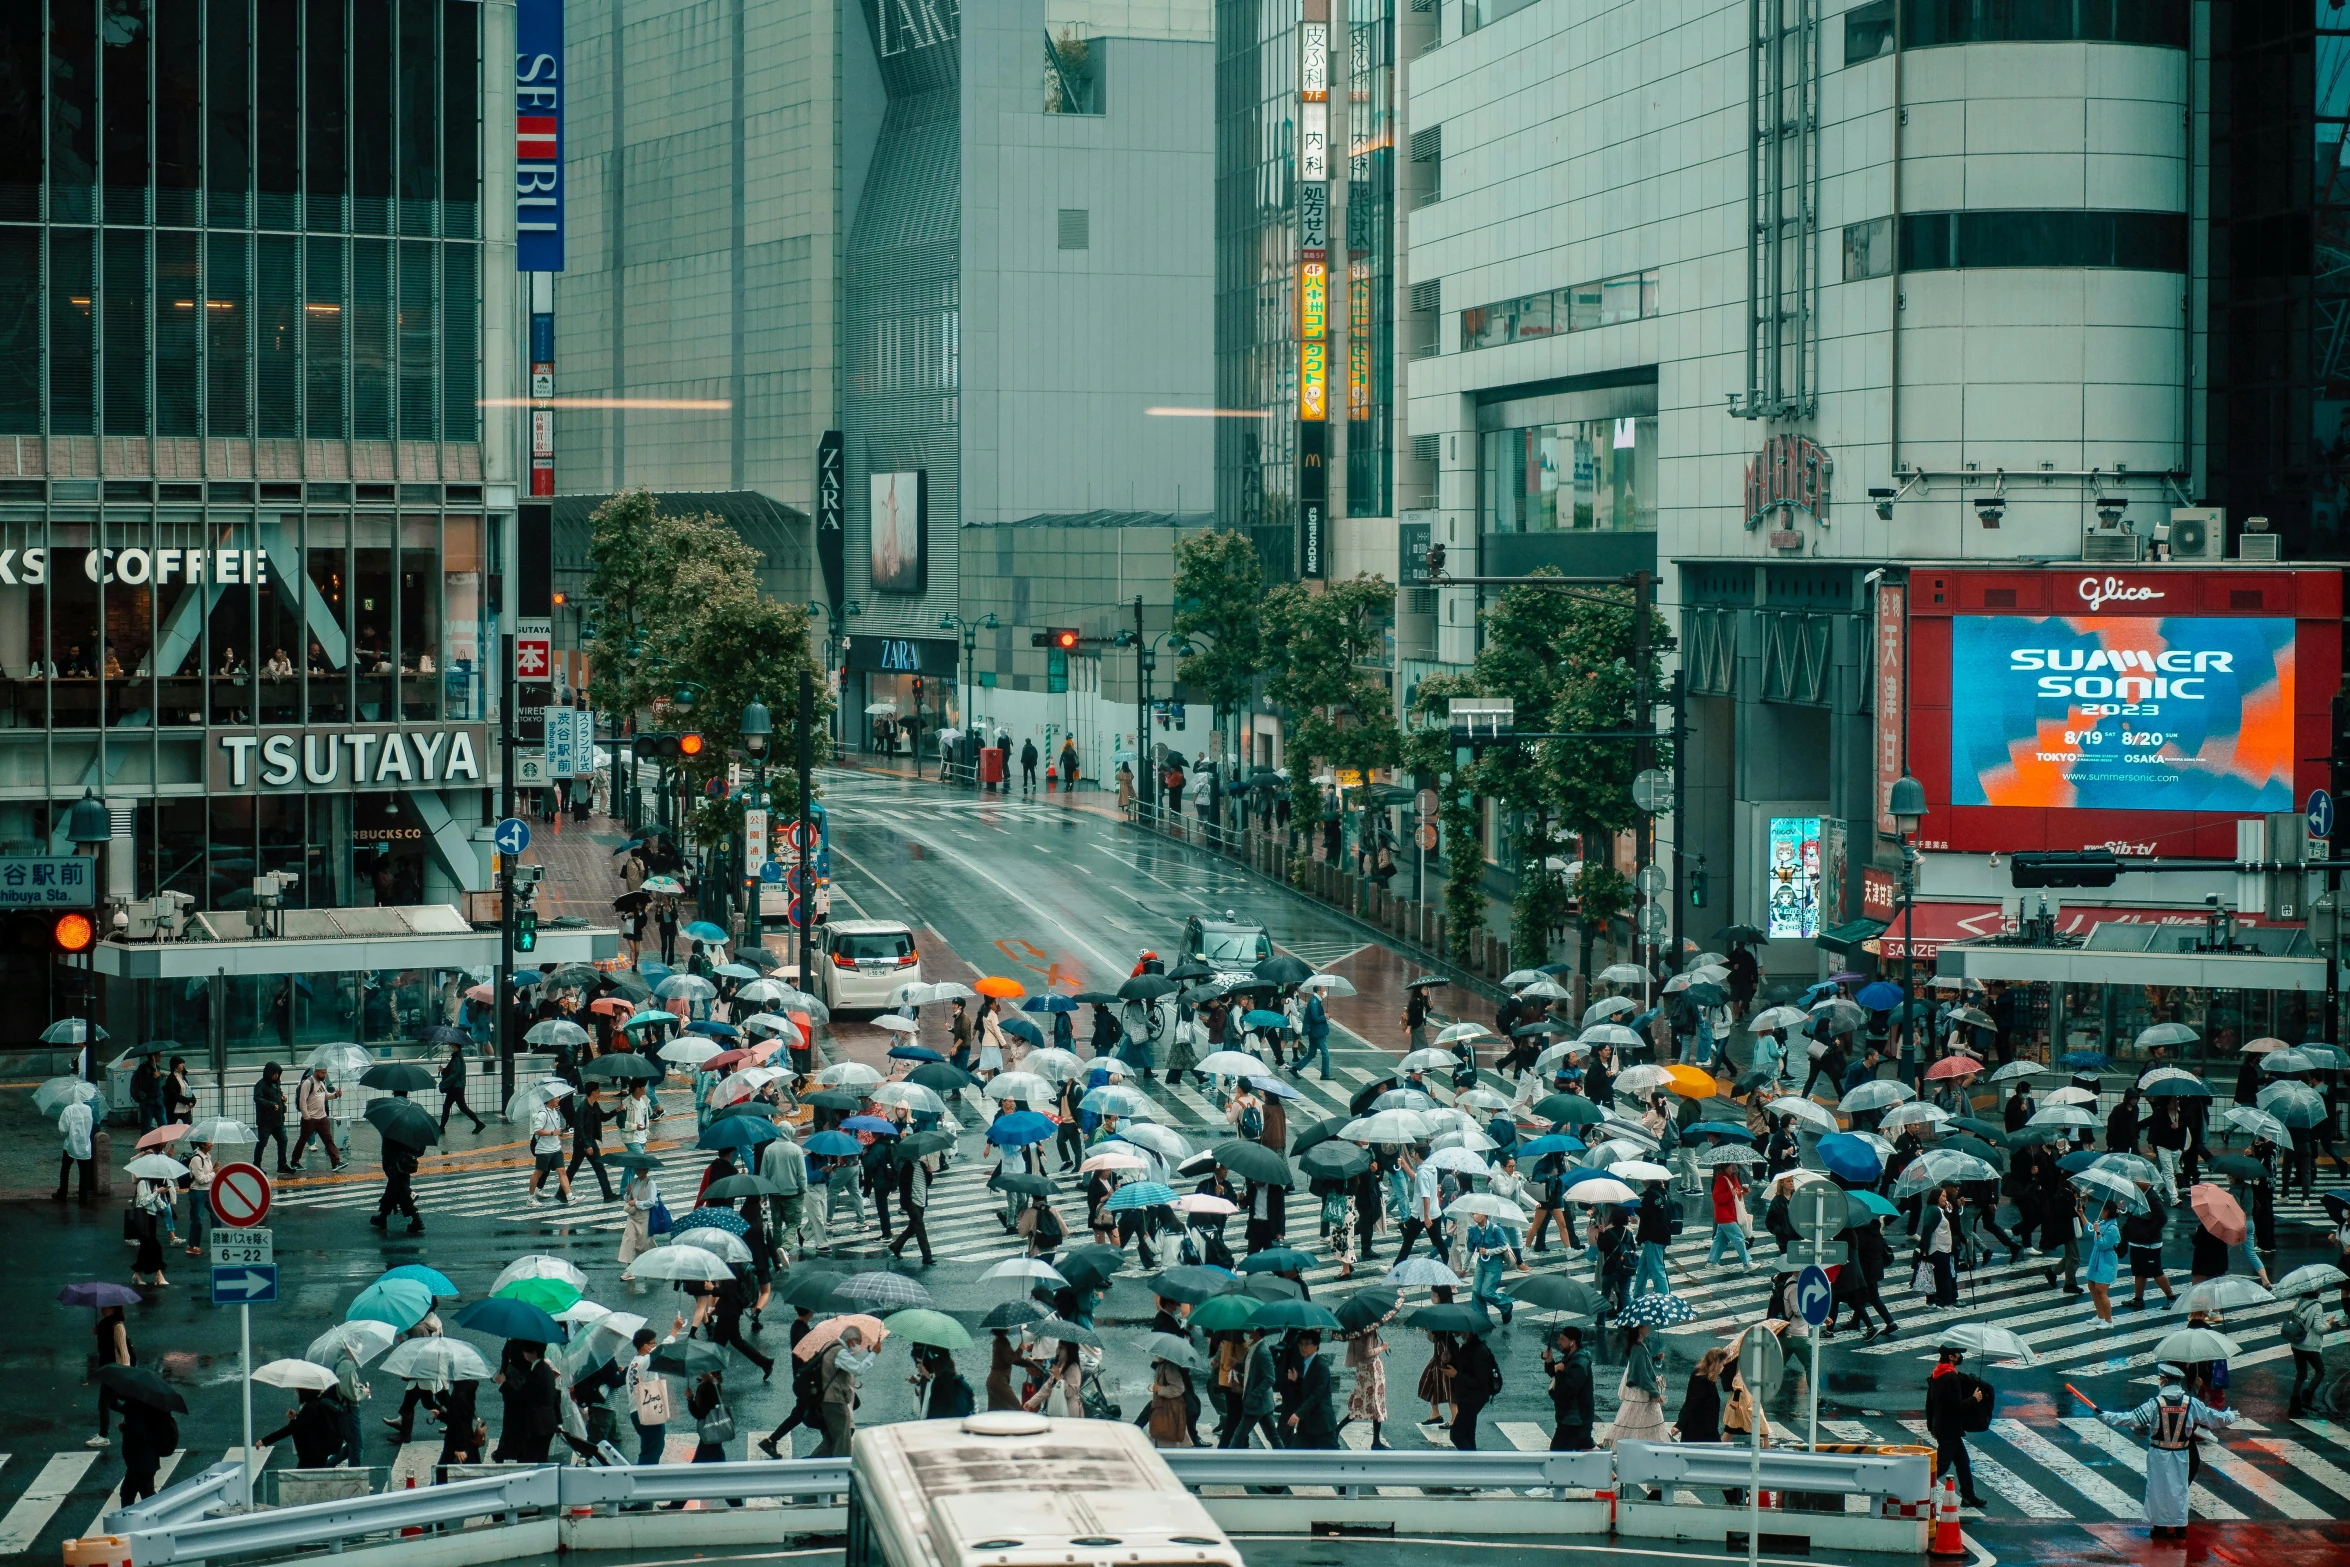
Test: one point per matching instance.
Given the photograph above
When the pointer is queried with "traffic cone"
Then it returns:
(412, 1531)
(1947, 1540)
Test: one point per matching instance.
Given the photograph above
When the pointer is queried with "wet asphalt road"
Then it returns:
(1046, 893)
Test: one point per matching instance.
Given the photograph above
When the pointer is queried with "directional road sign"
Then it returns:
(1817, 1209)
(1762, 1362)
(1814, 1296)
(771, 872)
(244, 1248)
(244, 1286)
(511, 836)
(2321, 814)
(1820, 1254)
(1652, 791)
(240, 1195)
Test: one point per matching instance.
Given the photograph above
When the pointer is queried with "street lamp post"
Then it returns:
(848, 611)
(1906, 804)
(950, 621)
(90, 826)
(756, 727)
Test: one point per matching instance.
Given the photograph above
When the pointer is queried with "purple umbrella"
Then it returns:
(98, 1292)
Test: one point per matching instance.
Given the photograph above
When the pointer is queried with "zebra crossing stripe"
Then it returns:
(2302, 1460)
(2026, 1497)
(41, 1499)
(2235, 1467)
(2111, 1442)
(2101, 1492)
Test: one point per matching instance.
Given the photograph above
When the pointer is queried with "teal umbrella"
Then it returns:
(401, 1302)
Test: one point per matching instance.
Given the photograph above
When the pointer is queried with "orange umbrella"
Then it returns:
(1691, 1082)
(165, 1136)
(1000, 988)
(612, 1006)
(820, 1336)
(2219, 1212)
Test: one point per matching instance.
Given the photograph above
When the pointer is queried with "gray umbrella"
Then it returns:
(887, 1291)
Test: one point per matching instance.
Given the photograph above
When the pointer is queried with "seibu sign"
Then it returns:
(366, 756)
(138, 567)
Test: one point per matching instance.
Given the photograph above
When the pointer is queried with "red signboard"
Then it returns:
(240, 1195)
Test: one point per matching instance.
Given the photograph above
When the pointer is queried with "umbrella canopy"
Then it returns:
(1775, 1019)
(1953, 1066)
(887, 1291)
(1282, 1316)
(1912, 1114)
(54, 1095)
(2220, 1213)
(437, 1361)
(401, 1302)
(2311, 1279)
(2259, 1123)
(1556, 1292)
(737, 1131)
(2294, 1104)
(1190, 1285)
(680, 1264)
(1254, 1162)
(1136, 1195)
(1939, 1167)
(1225, 1313)
(1803, 1110)
(1656, 1311)
(1879, 1093)
(918, 1325)
(849, 1074)
(403, 1121)
(2225, 1293)
(1027, 1087)
(1002, 989)
(621, 1067)
(549, 1295)
(431, 1278)
(2189, 1345)
(1988, 1339)
(1335, 1161)
(1420, 1273)
(1283, 969)
(142, 1385)
(1020, 1129)
(1846, 1155)
(503, 1318)
(1691, 1082)
(1879, 996)
(2106, 1186)
(712, 1218)
(98, 1292)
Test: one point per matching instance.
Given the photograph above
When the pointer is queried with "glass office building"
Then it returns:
(245, 557)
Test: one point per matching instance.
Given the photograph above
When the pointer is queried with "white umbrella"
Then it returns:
(1879, 1093)
(1386, 1126)
(342, 1061)
(1913, 1114)
(910, 1096)
(848, 1074)
(2312, 1278)
(1453, 1032)
(1405, 1099)
(1620, 1130)
(680, 1264)
(685, 987)
(1601, 1191)
(1803, 1110)
(1164, 1141)
(1025, 1268)
(538, 1265)
(155, 1167)
(1430, 1060)
(909, 993)
(1486, 1205)
(1642, 1170)
(1622, 974)
(1202, 1202)
(1547, 1062)
(1545, 990)
(1615, 1034)
(1641, 1079)
(2069, 1095)
(221, 1129)
(581, 1311)
(1053, 1062)
(1521, 976)
(2224, 1293)
(53, 1096)
(2166, 1074)
(691, 1052)
(766, 1023)
(1230, 1063)
(1113, 1159)
(1772, 1019)
(1985, 1338)
(1028, 1087)
(1606, 1007)
(438, 1361)
(2016, 1069)
(2190, 1345)
(1468, 1139)
(726, 1247)
(294, 1374)
(362, 1341)
(2244, 1118)
(526, 1101)
(1333, 985)
(1485, 1099)
(896, 1024)
(744, 1084)
(2061, 1115)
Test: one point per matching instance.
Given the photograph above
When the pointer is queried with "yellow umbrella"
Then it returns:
(1691, 1082)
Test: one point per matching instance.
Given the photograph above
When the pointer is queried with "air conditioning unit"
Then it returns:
(2197, 533)
(2110, 546)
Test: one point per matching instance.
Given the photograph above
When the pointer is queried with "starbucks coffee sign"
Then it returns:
(359, 756)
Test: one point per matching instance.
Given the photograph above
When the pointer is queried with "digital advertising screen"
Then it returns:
(901, 526)
(2089, 712)
(1791, 879)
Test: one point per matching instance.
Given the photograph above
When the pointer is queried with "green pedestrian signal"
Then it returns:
(526, 930)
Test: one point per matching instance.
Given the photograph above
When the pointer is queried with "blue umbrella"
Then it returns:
(2075, 1163)
(870, 1123)
(1140, 1194)
(1021, 1028)
(501, 1318)
(1882, 996)
(653, 973)
(703, 930)
(1555, 1142)
(1019, 1129)
(1656, 1311)
(915, 1053)
(1570, 1179)
(1276, 1259)
(431, 1278)
(1260, 1018)
(1881, 1207)
(2085, 1060)
(725, 1219)
(735, 971)
(1846, 1155)
(633, 843)
(1642, 1020)
(714, 1028)
(738, 1131)
(401, 1302)
(1048, 1004)
(834, 1145)
(1719, 1129)
(2177, 1088)
(1826, 987)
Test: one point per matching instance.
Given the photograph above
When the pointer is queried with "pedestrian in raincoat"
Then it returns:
(2169, 1420)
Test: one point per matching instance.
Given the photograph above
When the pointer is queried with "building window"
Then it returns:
(2129, 241)
(1928, 23)
(1073, 74)
(1631, 296)
(1868, 32)
(1484, 13)
(1868, 249)
(1076, 231)
(1592, 474)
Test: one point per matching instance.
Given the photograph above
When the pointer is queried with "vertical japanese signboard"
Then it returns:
(539, 88)
(1892, 694)
(1313, 289)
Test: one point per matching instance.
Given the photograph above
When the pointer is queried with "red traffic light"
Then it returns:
(689, 745)
(1065, 639)
(72, 933)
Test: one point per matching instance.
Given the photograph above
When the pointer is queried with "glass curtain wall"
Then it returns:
(1256, 273)
(1589, 474)
(1370, 258)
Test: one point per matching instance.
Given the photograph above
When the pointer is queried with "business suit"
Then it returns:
(1258, 1390)
(1315, 1425)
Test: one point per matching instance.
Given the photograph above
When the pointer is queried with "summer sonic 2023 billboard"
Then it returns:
(2093, 712)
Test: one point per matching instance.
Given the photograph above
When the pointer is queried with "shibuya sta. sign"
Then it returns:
(364, 756)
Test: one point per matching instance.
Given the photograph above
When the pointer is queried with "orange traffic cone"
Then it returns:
(1947, 1540)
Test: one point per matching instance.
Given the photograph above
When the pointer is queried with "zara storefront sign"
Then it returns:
(362, 756)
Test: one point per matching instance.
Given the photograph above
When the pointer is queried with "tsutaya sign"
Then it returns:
(364, 756)
(136, 566)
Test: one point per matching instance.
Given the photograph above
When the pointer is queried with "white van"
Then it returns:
(859, 962)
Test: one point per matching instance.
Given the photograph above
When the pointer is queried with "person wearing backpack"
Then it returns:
(2302, 1332)
(1956, 1403)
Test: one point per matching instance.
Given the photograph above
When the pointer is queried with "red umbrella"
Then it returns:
(2219, 1212)
(724, 1059)
(1953, 1066)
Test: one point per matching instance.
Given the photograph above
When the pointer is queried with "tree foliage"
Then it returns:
(678, 610)
(1337, 713)
(1220, 612)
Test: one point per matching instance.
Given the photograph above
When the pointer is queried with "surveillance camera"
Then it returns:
(2111, 507)
(1994, 862)
(2211, 898)
(1883, 499)
(1990, 508)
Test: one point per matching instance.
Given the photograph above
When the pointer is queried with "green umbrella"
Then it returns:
(1367, 1308)
(1254, 1162)
(1291, 1315)
(1568, 1110)
(1453, 1318)
(1225, 1313)
(920, 1326)
(622, 1067)
(733, 1187)
(549, 1295)
(1558, 1293)
(921, 1145)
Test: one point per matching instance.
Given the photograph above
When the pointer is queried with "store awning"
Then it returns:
(1846, 939)
(1927, 927)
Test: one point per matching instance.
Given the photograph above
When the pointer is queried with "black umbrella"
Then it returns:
(1146, 987)
(1023, 1182)
(729, 1188)
(1090, 1266)
(574, 976)
(141, 1384)
(1976, 1146)
(1557, 1293)
(403, 1121)
(1335, 1161)
(397, 1076)
(1450, 1319)
(1190, 969)
(1282, 969)
(921, 1145)
(632, 1161)
(1367, 1308)
(627, 989)
(623, 1067)
(757, 957)
(1191, 1285)
(1095, 998)
(1254, 1162)
(1425, 980)
(2239, 1164)
(1752, 1081)
(155, 1047)
(941, 1078)
(1010, 1315)
(811, 1288)
(1319, 1132)
(837, 1098)
(1738, 935)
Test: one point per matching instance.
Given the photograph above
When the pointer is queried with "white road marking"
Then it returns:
(171, 1461)
(2102, 1436)
(2103, 1493)
(2026, 1497)
(41, 1499)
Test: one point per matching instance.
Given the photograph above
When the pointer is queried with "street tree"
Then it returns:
(1219, 615)
(1321, 649)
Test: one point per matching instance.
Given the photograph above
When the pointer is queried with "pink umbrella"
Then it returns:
(165, 1136)
(2219, 1212)
(821, 1336)
(1953, 1066)
(482, 994)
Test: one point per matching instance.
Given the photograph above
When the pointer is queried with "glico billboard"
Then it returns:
(2144, 709)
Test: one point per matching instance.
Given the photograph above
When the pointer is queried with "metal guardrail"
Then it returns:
(789, 1479)
(1901, 1477)
(1349, 1471)
(222, 1485)
(296, 1529)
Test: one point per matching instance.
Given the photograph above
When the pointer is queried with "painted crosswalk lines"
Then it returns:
(40, 1500)
(2131, 1454)
(2102, 1493)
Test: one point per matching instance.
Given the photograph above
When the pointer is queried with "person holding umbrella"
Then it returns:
(1310, 1422)
(587, 1139)
(312, 1097)
(837, 1370)
(113, 1348)
(452, 1083)
(1258, 1388)
(533, 1409)
(399, 1193)
(1640, 1394)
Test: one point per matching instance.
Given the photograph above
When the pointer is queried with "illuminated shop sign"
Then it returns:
(1313, 380)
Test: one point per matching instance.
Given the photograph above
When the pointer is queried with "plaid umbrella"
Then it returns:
(889, 1291)
(1012, 1314)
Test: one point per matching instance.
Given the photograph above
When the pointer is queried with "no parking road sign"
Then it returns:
(240, 1195)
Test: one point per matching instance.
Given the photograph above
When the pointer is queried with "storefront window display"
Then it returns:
(1590, 474)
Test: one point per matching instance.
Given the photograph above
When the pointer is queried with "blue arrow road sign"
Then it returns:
(2321, 814)
(254, 1285)
(512, 836)
(1813, 1294)
(771, 873)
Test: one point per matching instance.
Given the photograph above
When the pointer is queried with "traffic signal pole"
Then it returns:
(505, 973)
(808, 868)
(1143, 771)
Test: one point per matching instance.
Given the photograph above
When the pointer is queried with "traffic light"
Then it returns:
(1061, 639)
(689, 746)
(526, 929)
(2338, 772)
(69, 933)
(666, 747)
(1435, 565)
(2067, 868)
